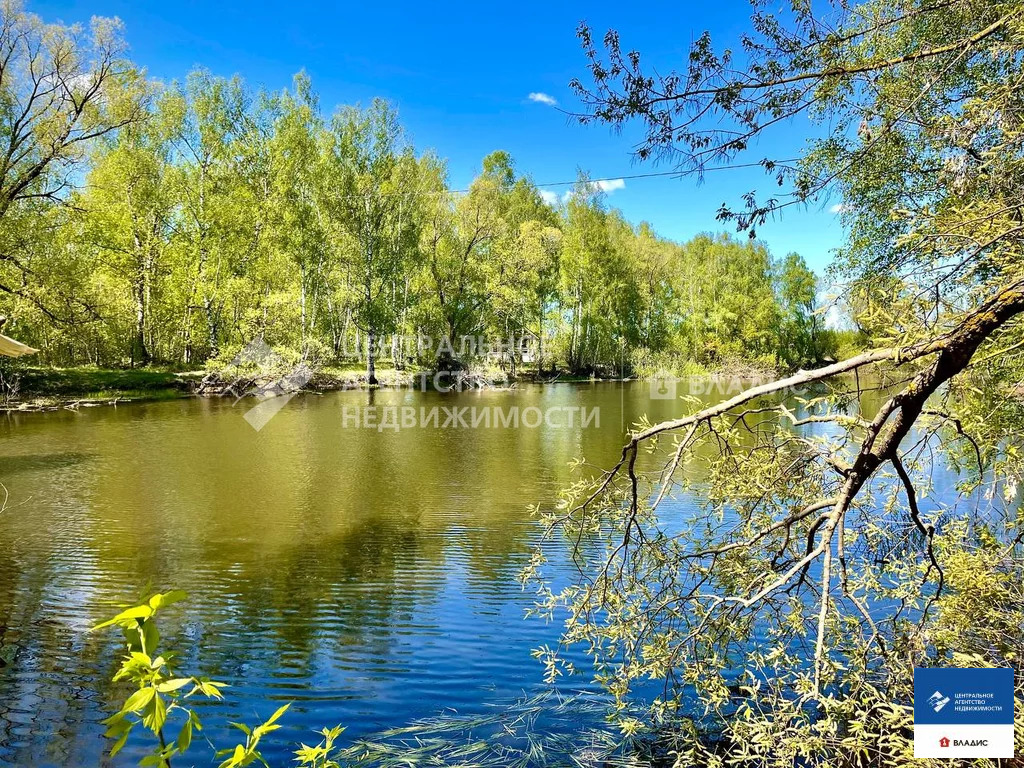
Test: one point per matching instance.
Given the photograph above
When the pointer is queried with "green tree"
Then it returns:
(653, 262)
(587, 259)
(488, 259)
(210, 114)
(822, 568)
(299, 185)
(523, 275)
(61, 88)
(459, 244)
(217, 215)
(129, 208)
(372, 202)
(798, 289)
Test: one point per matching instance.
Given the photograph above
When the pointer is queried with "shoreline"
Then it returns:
(43, 390)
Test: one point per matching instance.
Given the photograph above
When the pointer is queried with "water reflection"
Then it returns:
(370, 577)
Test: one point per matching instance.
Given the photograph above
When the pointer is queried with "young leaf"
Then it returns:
(138, 700)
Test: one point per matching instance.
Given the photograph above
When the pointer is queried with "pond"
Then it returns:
(367, 575)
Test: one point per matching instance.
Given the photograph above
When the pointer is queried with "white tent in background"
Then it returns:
(11, 348)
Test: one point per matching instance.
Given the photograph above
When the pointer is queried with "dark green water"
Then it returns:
(367, 576)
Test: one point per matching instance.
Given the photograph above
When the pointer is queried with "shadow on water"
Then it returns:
(13, 465)
(369, 576)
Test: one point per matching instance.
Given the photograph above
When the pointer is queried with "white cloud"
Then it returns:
(543, 98)
(837, 208)
(606, 185)
(610, 185)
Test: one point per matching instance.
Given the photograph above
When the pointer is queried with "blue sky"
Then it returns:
(461, 75)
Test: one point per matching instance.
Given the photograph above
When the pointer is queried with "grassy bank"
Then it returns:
(26, 387)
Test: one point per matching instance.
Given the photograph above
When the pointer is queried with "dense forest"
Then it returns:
(217, 215)
(754, 581)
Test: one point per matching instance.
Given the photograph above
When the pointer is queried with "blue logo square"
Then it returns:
(962, 696)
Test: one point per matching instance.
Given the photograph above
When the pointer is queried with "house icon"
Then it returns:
(943, 742)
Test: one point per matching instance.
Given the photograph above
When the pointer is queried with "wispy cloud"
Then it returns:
(605, 185)
(543, 98)
(837, 208)
(610, 185)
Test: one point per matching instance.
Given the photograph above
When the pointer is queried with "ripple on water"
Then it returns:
(369, 578)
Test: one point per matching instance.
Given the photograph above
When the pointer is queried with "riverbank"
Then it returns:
(39, 388)
(30, 388)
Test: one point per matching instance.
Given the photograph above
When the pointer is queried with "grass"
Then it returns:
(36, 383)
(547, 729)
(48, 386)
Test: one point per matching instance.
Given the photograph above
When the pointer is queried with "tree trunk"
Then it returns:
(186, 336)
(540, 340)
(302, 302)
(211, 327)
(140, 355)
(371, 373)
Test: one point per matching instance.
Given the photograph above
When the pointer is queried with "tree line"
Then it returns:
(201, 215)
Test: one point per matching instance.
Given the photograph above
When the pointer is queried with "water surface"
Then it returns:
(367, 576)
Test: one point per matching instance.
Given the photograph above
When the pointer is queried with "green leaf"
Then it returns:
(173, 685)
(156, 715)
(277, 714)
(150, 636)
(121, 739)
(158, 601)
(237, 758)
(184, 739)
(115, 718)
(138, 700)
(210, 688)
(262, 730)
(134, 613)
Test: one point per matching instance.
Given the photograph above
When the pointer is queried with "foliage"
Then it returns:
(323, 755)
(784, 622)
(158, 696)
(176, 222)
(161, 696)
(249, 753)
(541, 730)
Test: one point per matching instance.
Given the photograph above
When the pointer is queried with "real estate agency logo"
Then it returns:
(937, 701)
(946, 742)
(963, 712)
